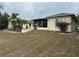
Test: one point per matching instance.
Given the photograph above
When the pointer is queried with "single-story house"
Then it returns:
(50, 22)
(24, 26)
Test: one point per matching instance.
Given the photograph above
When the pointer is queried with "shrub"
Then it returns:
(18, 28)
(63, 26)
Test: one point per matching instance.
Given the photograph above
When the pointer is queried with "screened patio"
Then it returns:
(40, 24)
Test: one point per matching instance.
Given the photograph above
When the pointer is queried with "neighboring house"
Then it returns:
(26, 27)
(50, 23)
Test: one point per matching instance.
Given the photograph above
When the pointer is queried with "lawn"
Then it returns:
(39, 43)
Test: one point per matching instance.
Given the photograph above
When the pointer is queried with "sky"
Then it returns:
(33, 10)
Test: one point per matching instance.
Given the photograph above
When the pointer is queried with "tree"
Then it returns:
(19, 21)
(16, 22)
(63, 26)
(3, 20)
(14, 15)
(24, 21)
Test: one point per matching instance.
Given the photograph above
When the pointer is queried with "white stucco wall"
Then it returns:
(10, 25)
(24, 26)
(52, 23)
(42, 28)
(24, 29)
(29, 27)
(32, 25)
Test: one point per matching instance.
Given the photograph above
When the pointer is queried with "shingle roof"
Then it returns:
(61, 14)
(57, 15)
(40, 19)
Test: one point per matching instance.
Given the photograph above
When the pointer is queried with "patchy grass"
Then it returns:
(39, 43)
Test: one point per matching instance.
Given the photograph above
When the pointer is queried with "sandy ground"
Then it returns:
(39, 43)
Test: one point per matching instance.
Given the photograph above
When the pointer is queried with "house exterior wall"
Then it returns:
(27, 26)
(42, 28)
(24, 26)
(32, 25)
(10, 25)
(52, 23)
(74, 25)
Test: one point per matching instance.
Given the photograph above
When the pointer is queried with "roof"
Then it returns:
(60, 15)
(57, 15)
(40, 19)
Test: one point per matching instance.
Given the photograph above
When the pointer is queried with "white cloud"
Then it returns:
(40, 9)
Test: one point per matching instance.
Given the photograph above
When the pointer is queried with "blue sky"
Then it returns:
(30, 10)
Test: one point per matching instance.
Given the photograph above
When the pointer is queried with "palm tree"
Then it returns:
(14, 15)
(16, 22)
